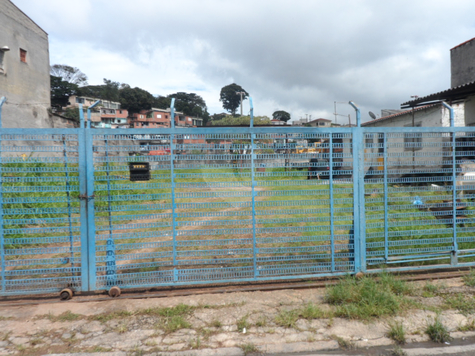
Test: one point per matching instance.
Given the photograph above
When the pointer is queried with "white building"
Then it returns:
(24, 70)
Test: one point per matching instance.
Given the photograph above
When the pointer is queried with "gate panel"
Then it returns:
(40, 227)
(220, 206)
(415, 214)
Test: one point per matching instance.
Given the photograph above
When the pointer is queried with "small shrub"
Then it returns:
(397, 351)
(461, 303)
(397, 333)
(469, 279)
(469, 326)
(261, 322)
(216, 323)
(249, 348)
(344, 344)
(311, 311)
(437, 331)
(242, 323)
(287, 318)
(429, 290)
(174, 323)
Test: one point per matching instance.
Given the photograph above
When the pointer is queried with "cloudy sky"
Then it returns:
(294, 55)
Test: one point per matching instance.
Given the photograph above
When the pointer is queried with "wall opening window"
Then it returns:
(22, 55)
(2, 65)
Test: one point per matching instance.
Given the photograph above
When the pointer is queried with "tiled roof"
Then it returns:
(399, 114)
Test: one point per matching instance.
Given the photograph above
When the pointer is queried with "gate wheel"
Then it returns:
(66, 294)
(114, 292)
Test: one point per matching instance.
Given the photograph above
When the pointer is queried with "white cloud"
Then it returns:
(293, 55)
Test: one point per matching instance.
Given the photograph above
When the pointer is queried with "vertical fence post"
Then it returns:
(253, 195)
(386, 219)
(68, 195)
(454, 255)
(111, 267)
(2, 237)
(173, 185)
(83, 203)
(332, 229)
(359, 223)
(90, 203)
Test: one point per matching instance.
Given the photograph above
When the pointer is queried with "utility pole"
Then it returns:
(241, 93)
(335, 113)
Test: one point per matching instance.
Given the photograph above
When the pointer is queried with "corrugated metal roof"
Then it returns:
(460, 92)
(399, 114)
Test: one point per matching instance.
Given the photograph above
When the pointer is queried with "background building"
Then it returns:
(24, 70)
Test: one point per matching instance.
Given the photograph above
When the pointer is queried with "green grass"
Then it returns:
(287, 318)
(249, 348)
(469, 279)
(437, 331)
(461, 302)
(430, 290)
(368, 298)
(312, 311)
(242, 324)
(469, 326)
(397, 333)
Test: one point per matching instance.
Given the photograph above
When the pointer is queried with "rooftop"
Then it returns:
(464, 43)
(399, 114)
(456, 93)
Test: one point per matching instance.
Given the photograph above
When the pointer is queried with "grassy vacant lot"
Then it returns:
(204, 218)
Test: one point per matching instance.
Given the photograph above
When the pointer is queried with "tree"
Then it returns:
(189, 104)
(135, 99)
(281, 115)
(61, 90)
(161, 102)
(69, 74)
(230, 97)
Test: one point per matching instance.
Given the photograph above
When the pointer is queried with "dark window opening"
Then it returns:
(22, 55)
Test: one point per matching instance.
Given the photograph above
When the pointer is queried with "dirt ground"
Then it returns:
(249, 322)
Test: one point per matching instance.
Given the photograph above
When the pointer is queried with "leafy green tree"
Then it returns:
(189, 104)
(61, 90)
(281, 115)
(68, 74)
(230, 97)
(110, 90)
(73, 113)
(161, 102)
(135, 99)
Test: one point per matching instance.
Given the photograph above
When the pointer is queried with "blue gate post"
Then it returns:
(359, 222)
(89, 197)
(454, 255)
(253, 194)
(173, 185)
(332, 215)
(68, 195)
(83, 203)
(386, 213)
(111, 269)
(2, 237)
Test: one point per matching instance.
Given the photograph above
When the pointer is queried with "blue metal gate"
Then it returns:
(216, 204)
